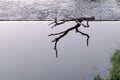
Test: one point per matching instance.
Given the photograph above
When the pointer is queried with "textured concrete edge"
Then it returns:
(53, 20)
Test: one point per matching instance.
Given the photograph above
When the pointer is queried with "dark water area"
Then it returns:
(118, 2)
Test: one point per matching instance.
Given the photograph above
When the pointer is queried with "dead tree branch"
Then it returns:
(56, 23)
(76, 28)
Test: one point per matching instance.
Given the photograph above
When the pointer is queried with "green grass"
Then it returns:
(97, 77)
(115, 69)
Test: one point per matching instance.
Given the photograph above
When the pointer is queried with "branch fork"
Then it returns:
(76, 28)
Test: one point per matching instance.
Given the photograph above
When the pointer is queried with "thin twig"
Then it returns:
(78, 31)
(56, 23)
(87, 25)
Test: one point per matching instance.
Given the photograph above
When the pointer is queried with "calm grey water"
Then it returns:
(26, 52)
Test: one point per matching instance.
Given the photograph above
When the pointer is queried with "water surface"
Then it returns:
(26, 52)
